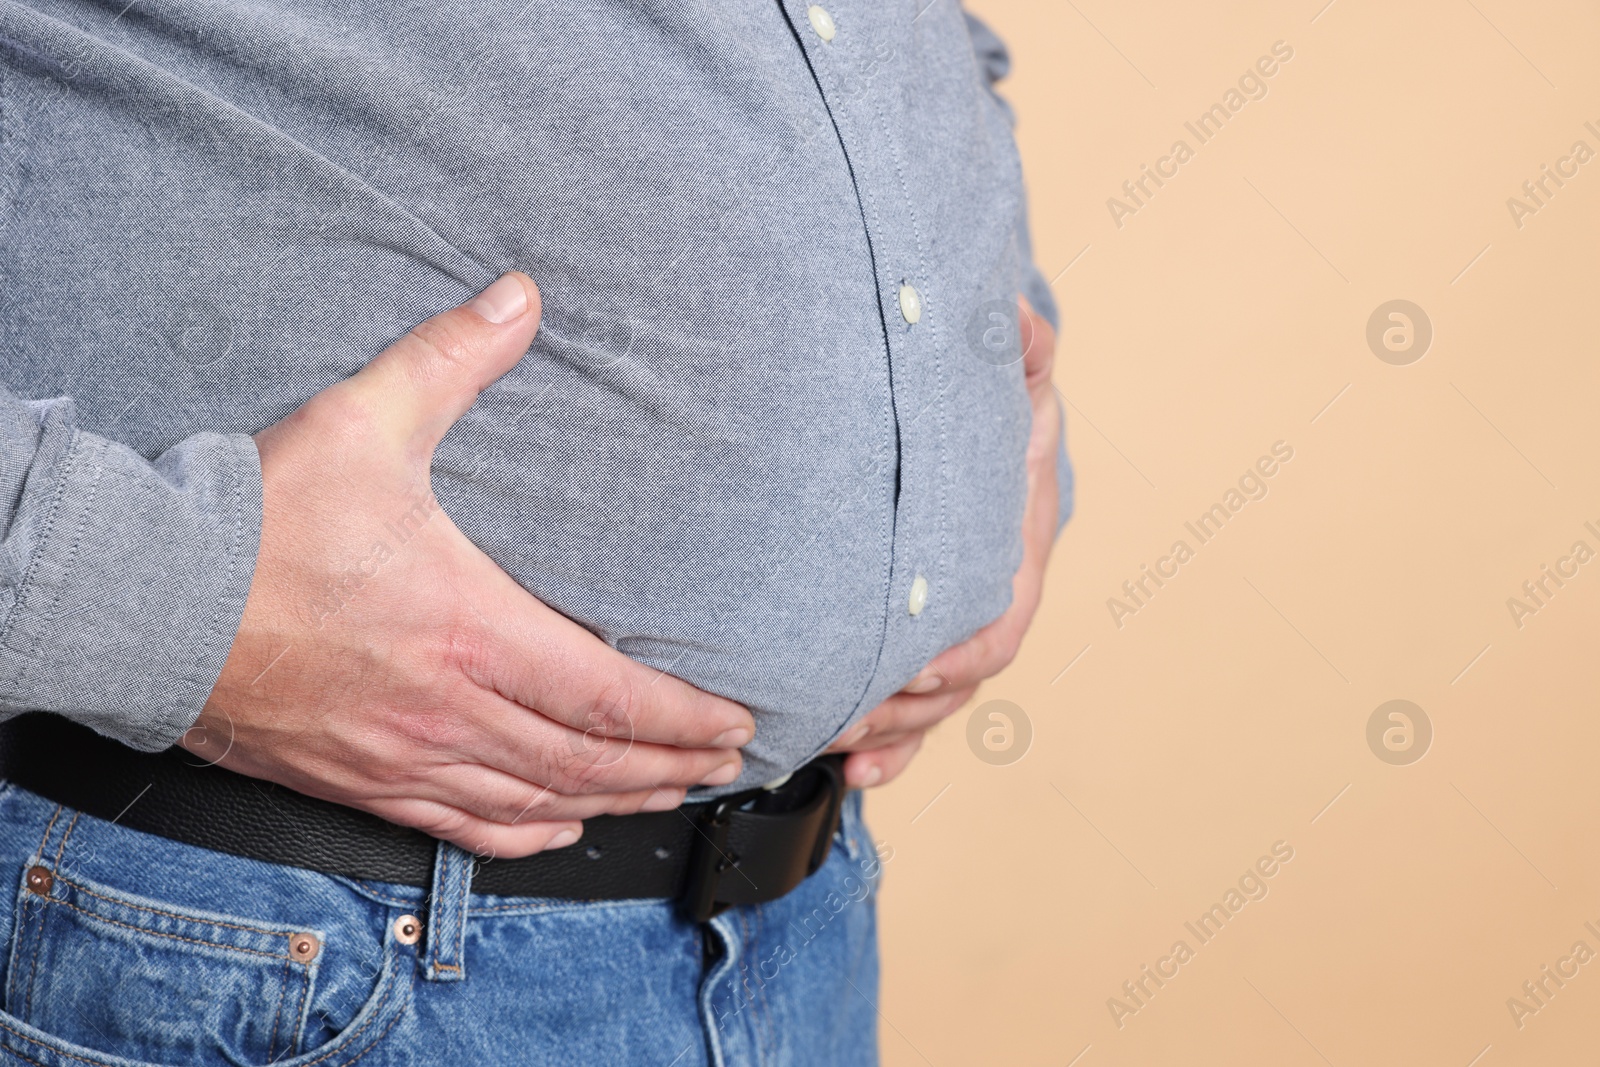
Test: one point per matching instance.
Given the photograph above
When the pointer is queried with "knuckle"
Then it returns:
(921, 719)
(444, 822)
(611, 709)
(341, 415)
(998, 651)
(431, 729)
(1007, 652)
(574, 768)
(953, 702)
(459, 645)
(534, 805)
(444, 345)
(627, 803)
(891, 718)
(681, 771)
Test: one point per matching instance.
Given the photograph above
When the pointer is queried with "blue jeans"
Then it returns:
(128, 948)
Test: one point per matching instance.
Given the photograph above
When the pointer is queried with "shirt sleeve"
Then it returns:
(994, 61)
(122, 580)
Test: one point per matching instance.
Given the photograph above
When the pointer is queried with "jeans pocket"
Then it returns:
(129, 950)
(149, 981)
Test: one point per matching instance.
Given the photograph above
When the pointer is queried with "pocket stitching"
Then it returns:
(62, 846)
(157, 933)
(299, 1020)
(33, 968)
(45, 840)
(392, 1023)
(20, 1056)
(377, 1012)
(277, 1017)
(171, 915)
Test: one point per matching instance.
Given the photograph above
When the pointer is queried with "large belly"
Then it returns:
(698, 457)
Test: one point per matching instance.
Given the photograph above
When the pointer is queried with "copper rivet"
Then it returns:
(40, 880)
(304, 947)
(407, 929)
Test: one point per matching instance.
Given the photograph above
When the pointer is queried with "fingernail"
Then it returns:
(873, 776)
(738, 737)
(501, 302)
(722, 775)
(926, 682)
(563, 839)
(660, 801)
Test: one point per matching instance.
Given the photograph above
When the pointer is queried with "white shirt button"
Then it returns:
(910, 304)
(821, 21)
(919, 595)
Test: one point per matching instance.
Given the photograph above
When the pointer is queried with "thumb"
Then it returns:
(426, 380)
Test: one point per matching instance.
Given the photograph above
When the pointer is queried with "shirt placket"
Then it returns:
(853, 53)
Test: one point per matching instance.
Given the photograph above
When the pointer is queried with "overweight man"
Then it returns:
(483, 488)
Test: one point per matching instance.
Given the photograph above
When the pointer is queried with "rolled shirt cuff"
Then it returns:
(126, 579)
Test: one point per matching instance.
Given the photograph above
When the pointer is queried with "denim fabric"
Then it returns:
(729, 452)
(147, 951)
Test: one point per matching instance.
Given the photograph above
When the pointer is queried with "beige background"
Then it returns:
(1230, 713)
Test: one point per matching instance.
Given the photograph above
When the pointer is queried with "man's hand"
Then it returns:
(385, 663)
(882, 743)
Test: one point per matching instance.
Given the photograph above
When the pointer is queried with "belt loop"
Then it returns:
(445, 932)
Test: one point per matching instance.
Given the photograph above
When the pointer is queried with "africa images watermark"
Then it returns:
(747, 984)
(1252, 85)
(1399, 332)
(1252, 886)
(1399, 732)
(999, 732)
(1539, 191)
(337, 593)
(1538, 592)
(1539, 991)
(1252, 485)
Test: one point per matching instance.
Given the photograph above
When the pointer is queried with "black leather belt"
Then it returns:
(746, 848)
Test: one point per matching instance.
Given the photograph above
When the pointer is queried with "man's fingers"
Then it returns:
(992, 648)
(983, 655)
(529, 746)
(476, 835)
(1038, 345)
(540, 659)
(863, 770)
(903, 714)
(579, 768)
(498, 797)
(426, 380)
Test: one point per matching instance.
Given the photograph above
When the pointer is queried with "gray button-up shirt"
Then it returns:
(770, 437)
